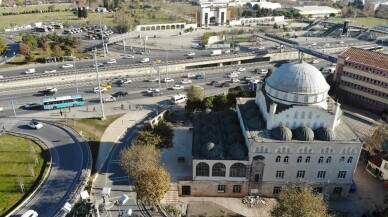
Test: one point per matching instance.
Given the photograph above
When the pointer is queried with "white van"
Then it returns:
(30, 213)
(179, 98)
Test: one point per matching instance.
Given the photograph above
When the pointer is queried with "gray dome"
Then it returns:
(281, 133)
(304, 134)
(325, 134)
(238, 151)
(211, 150)
(298, 77)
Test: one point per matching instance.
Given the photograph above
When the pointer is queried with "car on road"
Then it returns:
(30, 71)
(199, 77)
(313, 44)
(225, 84)
(123, 81)
(31, 106)
(314, 61)
(50, 71)
(214, 83)
(49, 91)
(231, 75)
(129, 56)
(98, 65)
(139, 52)
(154, 92)
(111, 61)
(261, 48)
(107, 86)
(35, 124)
(98, 89)
(235, 80)
(186, 81)
(261, 71)
(190, 54)
(340, 42)
(190, 57)
(120, 94)
(1, 109)
(67, 66)
(152, 79)
(168, 80)
(145, 60)
(190, 75)
(241, 69)
(158, 61)
(30, 213)
(177, 87)
(108, 99)
(327, 45)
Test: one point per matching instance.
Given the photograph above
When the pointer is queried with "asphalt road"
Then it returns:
(68, 159)
(12, 50)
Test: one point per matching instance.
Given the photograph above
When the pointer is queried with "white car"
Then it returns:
(111, 61)
(151, 79)
(186, 81)
(129, 57)
(97, 65)
(35, 125)
(30, 213)
(314, 61)
(51, 89)
(178, 87)
(241, 69)
(313, 44)
(1, 109)
(232, 75)
(327, 45)
(190, 75)
(261, 48)
(50, 71)
(168, 80)
(126, 81)
(97, 89)
(190, 54)
(152, 90)
(67, 66)
(340, 42)
(235, 80)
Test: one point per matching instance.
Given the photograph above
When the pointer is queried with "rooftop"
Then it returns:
(378, 159)
(370, 58)
(316, 9)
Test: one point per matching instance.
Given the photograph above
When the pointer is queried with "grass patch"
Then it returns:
(181, 8)
(15, 157)
(17, 61)
(32, 7)
(363, 21)
(92, 130)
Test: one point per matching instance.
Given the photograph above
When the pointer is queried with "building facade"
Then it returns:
(291, 134)
(213, 14)
(378, 166)
(317, 11)
(362, 78)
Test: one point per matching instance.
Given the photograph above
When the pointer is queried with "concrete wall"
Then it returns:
(210, 188)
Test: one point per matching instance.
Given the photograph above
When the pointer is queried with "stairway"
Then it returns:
(172, 195)
(307, 28)
(331, 30)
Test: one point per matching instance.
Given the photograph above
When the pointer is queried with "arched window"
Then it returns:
(202, 169)
(350, 159)
(328, 160)
(302, 115)
(278, 159)
(238, 170)
(320, 160)
(299, 159)
(218, 169)
(308, 159)
(342, 159)
(286, 159)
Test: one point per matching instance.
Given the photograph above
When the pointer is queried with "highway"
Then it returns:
(69, 157)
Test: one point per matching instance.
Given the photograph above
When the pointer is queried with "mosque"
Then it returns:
(290, 134)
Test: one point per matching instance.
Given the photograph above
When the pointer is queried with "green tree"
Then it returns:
(208, 102)
(195, 92)
(24, 49)
(57, 51)
(166, 134)
(138, 156)
(31, 41)
(79, 13)
(84, 13)
(46, 48)
(193, 104)
(3, 46)
(51, 8)
(220, 102)
(147, 137)
(151, 184)
(275, 26)
(378, 137)
(300, 202)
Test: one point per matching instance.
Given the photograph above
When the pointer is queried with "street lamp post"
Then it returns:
(75, 75)
(99, 87)
(102, 34)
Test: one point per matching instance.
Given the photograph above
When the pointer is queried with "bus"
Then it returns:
(377, 48)
(62, 102)
(179, 98)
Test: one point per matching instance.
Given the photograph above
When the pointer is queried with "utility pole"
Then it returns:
(102, 34)
(99, 87)
(75, 75)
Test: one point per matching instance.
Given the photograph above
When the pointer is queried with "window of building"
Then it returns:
(350, 159)
(320, 160)
(218, 169)
(308, 159)
(386, 166)
(236, 188)
(280, 174)
(341, 174)
(318, 190)
(328, 160)
(342, 159)
(278, 159)
(286, 159)
(238, 170)
(299, 159)
(202, 169)
(321, 174)
(276, 190)
(337, 190)
(300, 174)
(221, 188)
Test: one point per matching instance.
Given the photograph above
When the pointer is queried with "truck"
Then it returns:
(29, 71)
(216, 52)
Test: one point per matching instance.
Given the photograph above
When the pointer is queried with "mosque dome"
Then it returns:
(325, 134)
(281, 133)
(304, 134)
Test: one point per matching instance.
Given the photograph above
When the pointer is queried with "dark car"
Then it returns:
(190, 57)
(120, 94)
(225, 84)
(47, 92)
(139, 52)
(31, 106)
(198, 77)
(215, 83)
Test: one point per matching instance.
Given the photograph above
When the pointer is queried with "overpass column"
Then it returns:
(220, 64)
(239, 62)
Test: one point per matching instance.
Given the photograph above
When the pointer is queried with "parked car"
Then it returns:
(340, 42)
(120, 94)
(177, 87)
(199, 77)
(67, 66)
(31, 106)
(168, 80)
(186, 81)
(261, 71)
(97, 89)
(35, 125)
(111, 61)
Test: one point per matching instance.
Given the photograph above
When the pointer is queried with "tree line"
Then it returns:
(50, 9)
(141, 160)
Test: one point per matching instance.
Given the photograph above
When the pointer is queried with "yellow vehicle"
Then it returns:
(158, 61)
(107, 86)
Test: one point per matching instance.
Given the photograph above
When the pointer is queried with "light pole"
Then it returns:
(99, 87)
(75, 75)
(102, 34)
